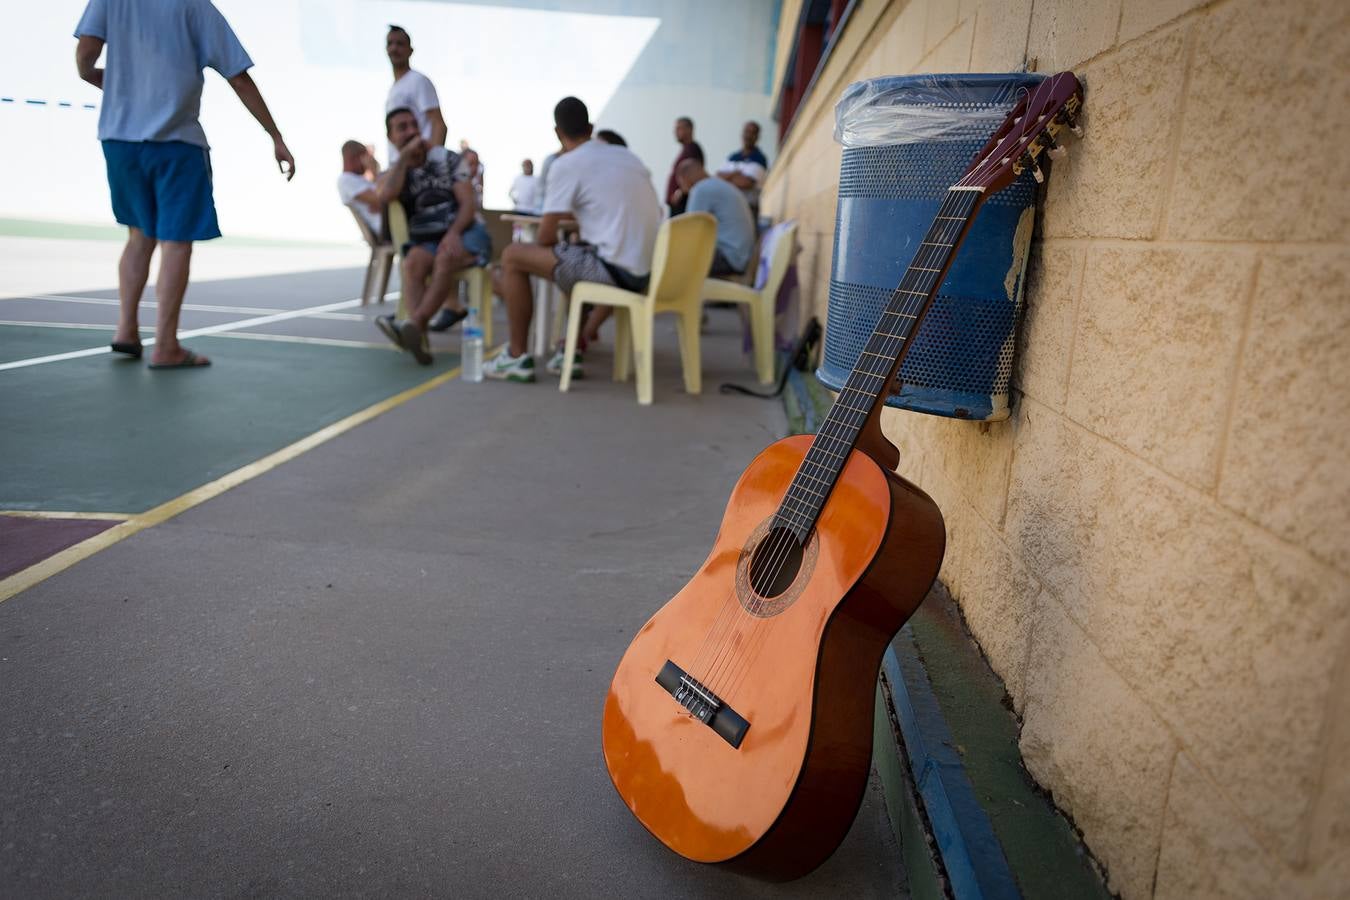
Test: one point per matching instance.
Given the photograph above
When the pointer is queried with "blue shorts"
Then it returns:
(163, 188)
(475, 239)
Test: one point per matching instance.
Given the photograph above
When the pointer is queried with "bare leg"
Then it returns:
(512, 284)
(132, 273)
(175, 259)
(439, 290)
(416, 268)
(591, 330)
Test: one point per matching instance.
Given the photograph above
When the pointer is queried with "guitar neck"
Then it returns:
(874, 375)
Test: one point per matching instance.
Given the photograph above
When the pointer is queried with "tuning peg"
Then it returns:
(1027, 162)
(1052, 149)
(1070, 120)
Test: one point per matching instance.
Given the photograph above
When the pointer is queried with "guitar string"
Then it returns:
(841, 430)
(732, 674)
(780, 554)
(842, 425)
(990, 160)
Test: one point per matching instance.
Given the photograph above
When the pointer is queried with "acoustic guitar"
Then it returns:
(738, 726)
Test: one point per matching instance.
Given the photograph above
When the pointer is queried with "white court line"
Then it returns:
(191, 307)
(196, 332)
(251, 336)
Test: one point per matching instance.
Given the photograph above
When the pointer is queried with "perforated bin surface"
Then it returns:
(961, 359)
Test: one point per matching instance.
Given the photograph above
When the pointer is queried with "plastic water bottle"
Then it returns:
(471, 348)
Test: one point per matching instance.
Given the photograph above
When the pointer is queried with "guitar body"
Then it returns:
(800, 668)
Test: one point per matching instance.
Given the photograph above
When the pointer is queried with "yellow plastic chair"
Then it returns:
(381, 262)
(680, 263)
(760, 302)
(476, 277)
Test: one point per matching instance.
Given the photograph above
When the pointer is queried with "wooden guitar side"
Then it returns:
(778, 805)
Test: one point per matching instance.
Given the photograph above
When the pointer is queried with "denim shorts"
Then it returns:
(163, 188)
(475, 239)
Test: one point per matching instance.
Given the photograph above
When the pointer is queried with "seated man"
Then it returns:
(356, 189)
(609, 192)
(433, 185)
(735, 226)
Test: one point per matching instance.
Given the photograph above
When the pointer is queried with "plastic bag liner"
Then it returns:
(906, 141)
(920, 109)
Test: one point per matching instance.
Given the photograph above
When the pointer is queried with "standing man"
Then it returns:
(689, 149)
(159, 166)
(412, 90)
(524, 190)
(609, 192)
(747, 167)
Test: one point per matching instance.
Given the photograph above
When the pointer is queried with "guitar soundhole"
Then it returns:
(774, 569)
(775, 563)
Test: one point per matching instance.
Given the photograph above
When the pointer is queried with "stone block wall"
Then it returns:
(1154, 550)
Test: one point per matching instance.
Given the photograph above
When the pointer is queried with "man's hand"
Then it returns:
(87, 51)
(285, 162)
(451, 243)
(414, 153)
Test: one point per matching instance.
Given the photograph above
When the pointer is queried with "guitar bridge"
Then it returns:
(706, 706)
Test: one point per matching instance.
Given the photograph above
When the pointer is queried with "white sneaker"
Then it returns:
(505, 367)
(554, 366)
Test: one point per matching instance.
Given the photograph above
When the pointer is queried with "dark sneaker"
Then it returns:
(387, 325)
(414, 341)
(445, 319)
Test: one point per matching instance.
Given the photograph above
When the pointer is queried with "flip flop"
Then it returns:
(129, 348)
(389, 327)
(190, 361)
(414, 341)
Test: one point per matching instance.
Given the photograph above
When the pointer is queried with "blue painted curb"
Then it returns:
(971, 855)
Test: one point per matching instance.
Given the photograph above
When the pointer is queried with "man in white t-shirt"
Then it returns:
(609, 192)
(524, 190)
(412, 90)
(356, 190)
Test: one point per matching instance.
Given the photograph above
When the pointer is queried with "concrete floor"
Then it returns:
(379, 668)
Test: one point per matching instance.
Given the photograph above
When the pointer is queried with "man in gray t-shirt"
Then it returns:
(735, 225)
(159, 166)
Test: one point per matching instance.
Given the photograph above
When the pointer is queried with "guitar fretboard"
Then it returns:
(872, 376)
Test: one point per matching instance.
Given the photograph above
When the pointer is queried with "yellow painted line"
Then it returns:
(38, 572)
(48, 514)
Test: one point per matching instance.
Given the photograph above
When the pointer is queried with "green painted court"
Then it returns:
(107, 434)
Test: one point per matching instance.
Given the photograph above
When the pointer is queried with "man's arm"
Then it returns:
(465, 195)
(438, 129)
(253, 101)
(547, 235)
(742, 181)
(388, 188)
(87, 51)
(370, 198)
(454, 238)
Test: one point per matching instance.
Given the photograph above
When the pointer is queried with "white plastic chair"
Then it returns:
(680, 263)
(381, 261)
(760, 301)
(476, 277)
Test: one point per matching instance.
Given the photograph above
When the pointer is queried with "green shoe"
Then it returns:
(554, 366)
(505, 367)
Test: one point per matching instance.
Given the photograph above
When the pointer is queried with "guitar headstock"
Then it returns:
(1032, 128)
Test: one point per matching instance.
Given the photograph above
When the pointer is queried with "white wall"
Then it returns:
(499, 68)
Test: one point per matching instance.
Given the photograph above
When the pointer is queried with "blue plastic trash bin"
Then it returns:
(906, 140)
